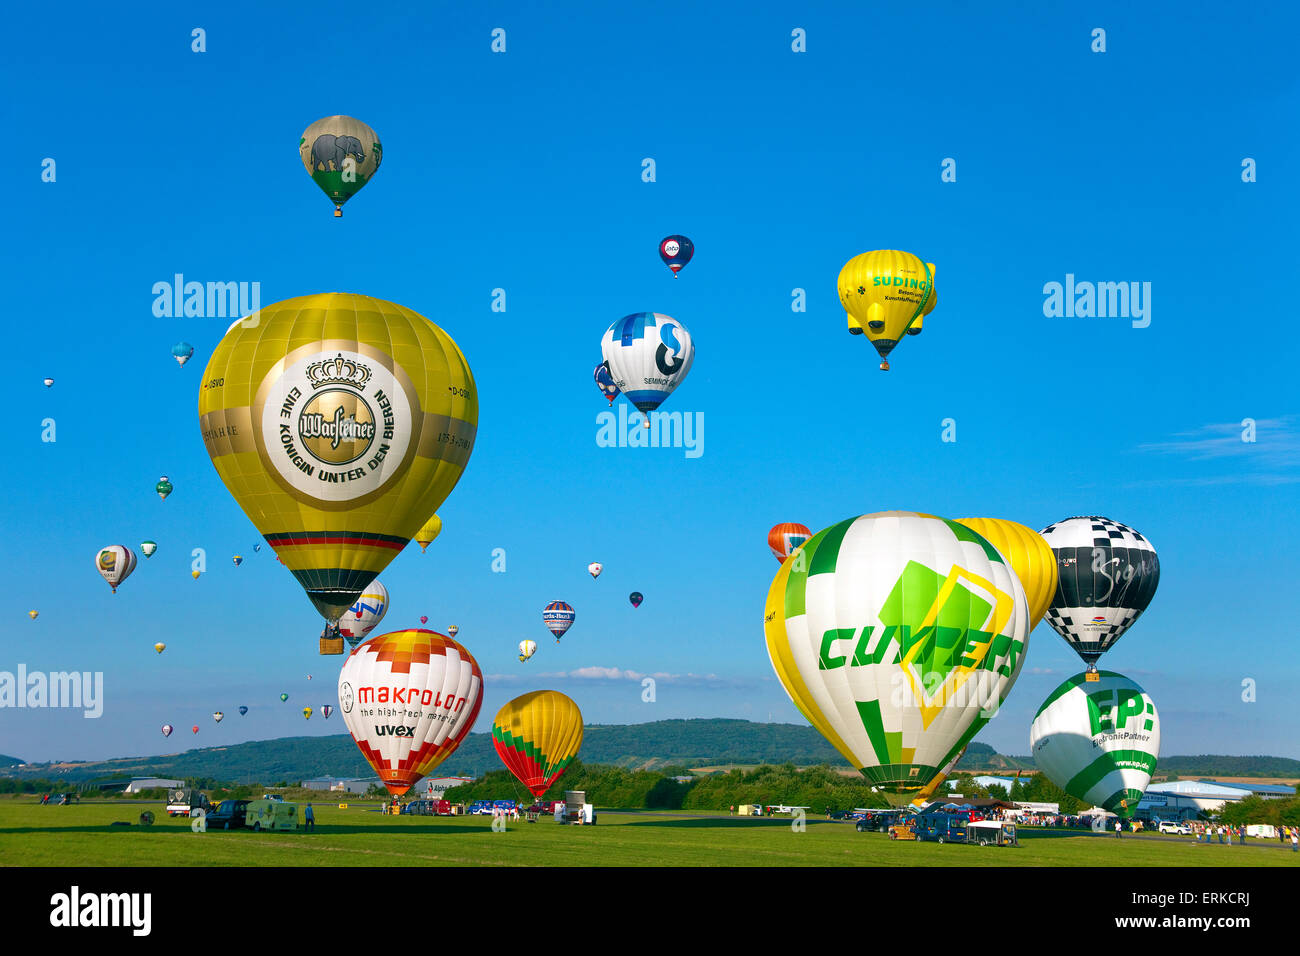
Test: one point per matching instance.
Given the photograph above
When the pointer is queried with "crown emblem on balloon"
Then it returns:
(338, 371)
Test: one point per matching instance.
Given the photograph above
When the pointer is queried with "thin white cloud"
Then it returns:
(1276, 444)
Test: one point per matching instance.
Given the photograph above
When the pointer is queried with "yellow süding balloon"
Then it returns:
(428, 531)
(884, 292)
(339, 423)
(1030, 556)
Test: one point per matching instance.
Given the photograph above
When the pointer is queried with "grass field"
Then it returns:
(33, 835)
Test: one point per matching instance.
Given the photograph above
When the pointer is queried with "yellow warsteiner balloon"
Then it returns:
(430, 530)
(1030, 556)
(339, 423)
(884, 292)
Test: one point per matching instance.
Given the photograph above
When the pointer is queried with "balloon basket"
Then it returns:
(331, 645)
(1091, 677)
(338, 212)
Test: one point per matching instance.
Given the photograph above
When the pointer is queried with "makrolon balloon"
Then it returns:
(409, 698)
(898, 637)
(339, 423)
(115, 564)
(428, 531)
(1107, 575)
(340, 154)
(536, 736)
(1098, 740)
(884, 292)
(784, 538)
(363, 617)
(648, 355)
(558, 618)
(1030, 556)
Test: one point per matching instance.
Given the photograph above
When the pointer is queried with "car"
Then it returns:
(543, 806)
(228, 815)
(270, 815)
(1168, 826)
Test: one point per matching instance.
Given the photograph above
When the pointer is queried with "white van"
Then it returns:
(271, 815)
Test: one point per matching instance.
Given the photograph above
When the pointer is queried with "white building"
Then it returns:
(436, 787)
(152, 783)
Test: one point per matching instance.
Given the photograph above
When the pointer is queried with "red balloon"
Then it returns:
(784, 538)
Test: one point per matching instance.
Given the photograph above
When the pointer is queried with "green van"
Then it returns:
(271, 815)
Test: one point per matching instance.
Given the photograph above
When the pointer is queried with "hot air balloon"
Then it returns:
(884, 292)
(195, 574)
(309, 677)
(1098, 740)
(784, 538)
(636, 597)
(594, 569)
(257, 547)
(1107, 575)
(898, 637)
(648, 355)
(437, 684)
(916, 327)
(306, 713)
(182, 351)
(243, 710)
(115, 564)
(164, 487)
(238, 559)
(536, 736)
(676, 251)
(527, 649)
(340, 154)
(605, 382)
(364, 616)
(424, 619)
(453, 630)
(167, 730)
(342, 422)
(160, 647)
(428, 531)
(33, 614)
(49, 382)
(284, 697)
(218, 716)
(558, 618)
(148, 547)
(1030, 558)
(195, 728)
(326, 710)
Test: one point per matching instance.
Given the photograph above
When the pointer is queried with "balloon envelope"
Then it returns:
(558, 618)
(341, 422)
(897, 637)
(166, 730)
(33, 614)
(284, 697)
(306, 713)
(1107, 576)
(453, 630)
(49, 382)
(364, 616)
(884, 292)
(648, 355)
(341, 154)
(605, 383)
(1098, 740)
(437, 687)
(785, 537)
(148, 548)
(527, 649)
(594, 569)
(218, 716)
(243, 711)
(636, 597)
(326, 710)
(536, 736)
(1030, 556)
(164, 487)
(182, 351)
(428, 531)
(115, 564)
(676, 251)
(160, 647)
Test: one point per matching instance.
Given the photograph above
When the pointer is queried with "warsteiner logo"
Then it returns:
(335, 426)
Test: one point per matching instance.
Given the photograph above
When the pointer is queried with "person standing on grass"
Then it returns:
(1119, 829)
(310, 818)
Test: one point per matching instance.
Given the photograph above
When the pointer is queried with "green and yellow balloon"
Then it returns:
(340, 154)
(339, 423)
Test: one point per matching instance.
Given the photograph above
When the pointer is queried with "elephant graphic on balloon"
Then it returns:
(329, 152)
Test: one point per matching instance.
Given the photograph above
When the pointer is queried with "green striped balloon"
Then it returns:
(1098, 740)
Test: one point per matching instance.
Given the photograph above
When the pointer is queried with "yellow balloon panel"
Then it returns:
(883, 292)
(1030, 556)
(339, 423)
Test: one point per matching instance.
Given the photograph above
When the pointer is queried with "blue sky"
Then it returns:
(522, 171)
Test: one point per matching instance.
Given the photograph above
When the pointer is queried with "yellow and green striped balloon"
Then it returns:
(897, 635)
(1031, 558)
(339, 423)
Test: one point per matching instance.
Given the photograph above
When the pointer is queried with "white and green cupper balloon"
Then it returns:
(1098, 740)
(897, 635)
(340, 154)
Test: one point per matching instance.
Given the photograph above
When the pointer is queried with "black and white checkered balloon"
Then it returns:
(1108, 574)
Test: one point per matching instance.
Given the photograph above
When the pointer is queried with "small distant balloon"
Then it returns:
(453, 630)
(148, 547)
(594, 569)
(558, 618)
(238, 559)
(284, 697)
(194, 575)
(218, 716)
(605, 382)
(164, 487)
(636, 597)
(424, 619)
(326, 710)
(195, 728)
(785, 537)
(257, 547)
(527, 649)
(182, 351)
(49, 382)
(306, 713)
(160, 647)
(32, 614)
(166, 730)
(430, 530)
(309, 677)
(243, 710)
(115, 564)
(676, 251)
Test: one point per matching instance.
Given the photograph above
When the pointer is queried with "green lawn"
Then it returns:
(32, 835)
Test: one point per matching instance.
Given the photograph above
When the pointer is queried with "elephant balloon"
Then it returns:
(340, 154)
